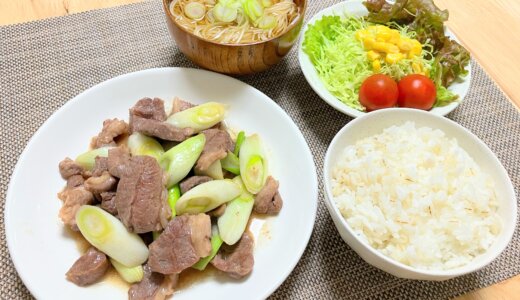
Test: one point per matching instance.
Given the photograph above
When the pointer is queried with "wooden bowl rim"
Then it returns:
(166, 8)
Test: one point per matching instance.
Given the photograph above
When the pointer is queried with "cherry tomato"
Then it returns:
(378, 91)
(416, 91)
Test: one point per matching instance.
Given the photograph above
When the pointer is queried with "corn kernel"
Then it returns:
(376, 66)
(369, 43)
(405, 45)
(416, 68)
(372, 55)
(392, 58)
(361, 34)
(385, 47)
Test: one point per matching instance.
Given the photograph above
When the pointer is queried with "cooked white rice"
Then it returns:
(417, 197)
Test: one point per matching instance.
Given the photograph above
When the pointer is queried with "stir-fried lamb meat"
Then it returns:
(73, 199)
(237, 261)
(100, 165)
(117, 161)
(68, 168)
(184, 241)
(148, 117)
(180, 105)
(141, 197)
(162, 130)
(153, 286)
(218, 143)
(191, 182)
(111, 130)
(148, 108)
(108, 202)
(131, 183)
(219, 211)
(89, 268)
(99, 184)
(268, 200)
(75, 181)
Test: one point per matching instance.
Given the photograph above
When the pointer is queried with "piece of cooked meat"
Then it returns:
(153, 286)
(111, 130)
(73, 199)
(236, 261)
(184, 241)
(180, 105)
(191, 182)
(89, 268)
(75, 181)
(162, 130)
(100, 165)
(218, 143)
(149, 109)
(68, 168)
(219, 211)
(268, 200)
(141, 198)
(117, 161)
(99, 184)
(108, 202)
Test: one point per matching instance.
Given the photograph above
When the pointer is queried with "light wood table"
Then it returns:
(489, 29)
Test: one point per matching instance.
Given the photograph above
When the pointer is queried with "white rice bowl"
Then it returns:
(417, 197)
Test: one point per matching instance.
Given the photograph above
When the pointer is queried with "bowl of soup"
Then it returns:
(235, 36)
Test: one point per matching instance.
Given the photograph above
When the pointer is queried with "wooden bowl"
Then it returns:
(237, 59)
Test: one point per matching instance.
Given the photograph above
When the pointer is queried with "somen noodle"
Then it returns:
(235, 21)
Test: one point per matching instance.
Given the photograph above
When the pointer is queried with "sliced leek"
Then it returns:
(216, 242)
(88, 159)
(214, 171)
(253, 164)
(267, 3)
(105, 232)
(233, 223)
(174, 193)
(240, 139)
(178, 161)
(130, 275)
(207, 196)
(267, 22)
(225, 13)
(195, 10)
(140, 144)
(253, 9)
(231, 163)
(199, 117)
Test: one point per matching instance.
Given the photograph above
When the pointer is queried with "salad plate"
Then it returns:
(356, 8)
(43, 250)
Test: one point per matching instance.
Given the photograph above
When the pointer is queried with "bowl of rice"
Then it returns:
(417, 195)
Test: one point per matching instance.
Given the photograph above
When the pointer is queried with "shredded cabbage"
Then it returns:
(342, 63)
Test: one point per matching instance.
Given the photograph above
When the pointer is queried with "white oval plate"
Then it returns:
(356, 8)
(41, 249)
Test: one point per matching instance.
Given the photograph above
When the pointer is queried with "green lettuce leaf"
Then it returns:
(319, 34)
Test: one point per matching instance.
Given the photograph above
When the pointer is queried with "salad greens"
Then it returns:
(342, 63)
(427, 20)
